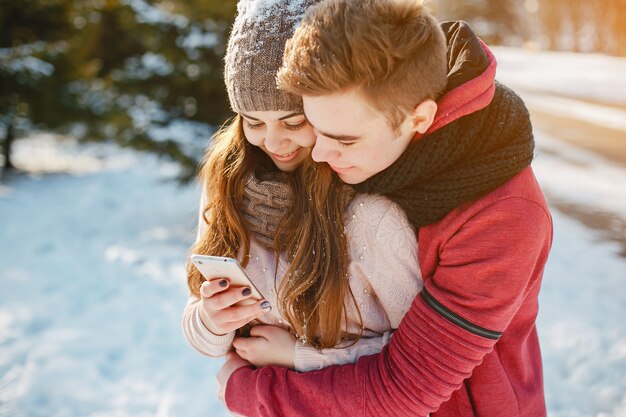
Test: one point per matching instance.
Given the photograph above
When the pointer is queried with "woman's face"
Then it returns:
(286, 137)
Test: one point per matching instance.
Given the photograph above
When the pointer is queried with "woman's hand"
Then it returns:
(267, 345)
(218, 310)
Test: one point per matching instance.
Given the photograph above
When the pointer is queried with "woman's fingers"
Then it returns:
(209, 288)
(232, 318)
(227, 298)
(245, 344)
(238, 314)
(263, 331)
(219, 309)
(251, 349)
(235, 325)
(220, 324)
(242, 353)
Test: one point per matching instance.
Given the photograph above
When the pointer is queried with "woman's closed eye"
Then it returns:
(296, 126)
(254, 125)
(342, 143)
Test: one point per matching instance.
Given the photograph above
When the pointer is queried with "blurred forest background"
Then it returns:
(147, 74)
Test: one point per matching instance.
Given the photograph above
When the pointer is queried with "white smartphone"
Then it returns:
(212, 267)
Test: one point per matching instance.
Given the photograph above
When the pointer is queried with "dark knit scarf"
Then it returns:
(460, 162)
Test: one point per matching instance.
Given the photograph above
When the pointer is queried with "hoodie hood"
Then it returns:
(471, 75)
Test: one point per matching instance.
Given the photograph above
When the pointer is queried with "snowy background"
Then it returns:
(93, 244)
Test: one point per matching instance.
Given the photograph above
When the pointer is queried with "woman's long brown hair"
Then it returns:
(312, 296)
(225, 169)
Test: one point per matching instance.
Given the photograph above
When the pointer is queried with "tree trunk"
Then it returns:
(6, 149)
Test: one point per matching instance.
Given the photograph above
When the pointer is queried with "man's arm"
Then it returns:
(397, 382)
(484, 274)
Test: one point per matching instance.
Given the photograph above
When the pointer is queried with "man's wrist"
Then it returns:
(241, 403)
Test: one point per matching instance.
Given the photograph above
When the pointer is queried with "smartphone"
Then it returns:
(212, 267)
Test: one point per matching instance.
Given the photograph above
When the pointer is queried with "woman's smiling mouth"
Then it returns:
(285, 157)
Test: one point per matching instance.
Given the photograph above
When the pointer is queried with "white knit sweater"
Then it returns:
(384, 278)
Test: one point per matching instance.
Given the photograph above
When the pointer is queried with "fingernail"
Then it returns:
(265, 305)
(246, 291)
(223, 283)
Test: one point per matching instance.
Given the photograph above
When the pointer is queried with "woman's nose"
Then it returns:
(275, 141)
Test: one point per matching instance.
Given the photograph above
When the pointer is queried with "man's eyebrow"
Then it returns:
(341, 137)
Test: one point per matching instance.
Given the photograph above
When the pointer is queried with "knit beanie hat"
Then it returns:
(255, 54)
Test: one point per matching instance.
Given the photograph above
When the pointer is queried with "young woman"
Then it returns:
(338, 270)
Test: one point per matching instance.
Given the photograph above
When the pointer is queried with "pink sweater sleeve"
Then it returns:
(201, 338)
(502, 249)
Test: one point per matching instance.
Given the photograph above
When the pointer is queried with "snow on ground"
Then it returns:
(579, 177)
(586, 87)
(92, 250)
(93, 286)
(91, 266)
(597, 114)
(591, 77)
(583, 298)
(581, 324)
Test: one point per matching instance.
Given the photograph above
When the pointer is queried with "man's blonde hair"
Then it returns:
(393, 51)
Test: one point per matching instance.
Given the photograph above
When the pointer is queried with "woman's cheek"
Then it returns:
(310, 142)
(304, 137)
(253, 137)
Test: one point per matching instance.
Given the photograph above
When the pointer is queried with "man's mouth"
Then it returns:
(338, 169)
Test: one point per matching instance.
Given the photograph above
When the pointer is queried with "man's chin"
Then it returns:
(351, 179)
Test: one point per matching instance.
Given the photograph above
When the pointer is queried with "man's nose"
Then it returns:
(323, 150)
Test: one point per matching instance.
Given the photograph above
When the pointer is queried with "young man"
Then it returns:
(407, 110)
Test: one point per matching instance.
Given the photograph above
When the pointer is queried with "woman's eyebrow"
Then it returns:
(249, 117)
(291, 115)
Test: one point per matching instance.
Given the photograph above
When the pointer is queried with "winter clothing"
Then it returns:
(459, 162)
(265, 201)
(468, 346)
(255, 53)
(383, 274)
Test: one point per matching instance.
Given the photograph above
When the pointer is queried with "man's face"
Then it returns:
(353, 137)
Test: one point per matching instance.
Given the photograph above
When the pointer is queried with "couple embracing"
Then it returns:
(376, 186)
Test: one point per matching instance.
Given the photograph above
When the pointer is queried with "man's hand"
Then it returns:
(267, 345)
(232, 363)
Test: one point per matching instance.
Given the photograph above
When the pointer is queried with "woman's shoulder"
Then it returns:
(372, 213)
(375, 207)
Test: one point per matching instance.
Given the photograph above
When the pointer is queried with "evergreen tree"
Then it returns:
(146, 74)
(32, 40)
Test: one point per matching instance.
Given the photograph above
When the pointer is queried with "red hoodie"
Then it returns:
(468, 346)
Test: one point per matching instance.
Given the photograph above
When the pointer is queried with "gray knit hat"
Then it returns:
(255, 54)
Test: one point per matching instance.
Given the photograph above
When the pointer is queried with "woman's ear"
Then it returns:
(423, 115)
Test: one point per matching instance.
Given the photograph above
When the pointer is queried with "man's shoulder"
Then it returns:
(521, 193)
(523, 186)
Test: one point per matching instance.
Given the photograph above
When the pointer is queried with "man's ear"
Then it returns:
(423, 115)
